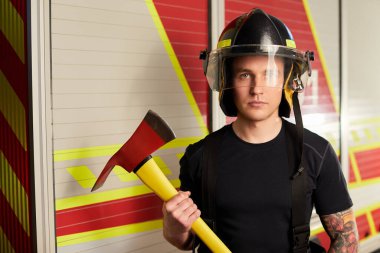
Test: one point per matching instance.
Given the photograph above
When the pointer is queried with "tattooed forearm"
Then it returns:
(341, 227)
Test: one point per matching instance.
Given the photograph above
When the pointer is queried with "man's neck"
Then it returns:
(257, 131)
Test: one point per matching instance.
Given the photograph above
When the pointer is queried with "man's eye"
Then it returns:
(244, 75)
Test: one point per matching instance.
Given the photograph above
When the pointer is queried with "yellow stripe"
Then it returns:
(108, 233)
(12, 109)
(14, 192)
(316, 231)
(180, 155)
(123, 175)
(12, 26)
(354, 166)
(371, 223)
(176, 65)
(363, 183)
(83, 175)
(368, 133)
(331, 138)
(86, 179)
(99, 197)
(355, 136)
(224, 43)
(291, 43)
(362, 148)
(321, 55)
(81, 153)
(5, 244)
(369, 121)
(366, 209)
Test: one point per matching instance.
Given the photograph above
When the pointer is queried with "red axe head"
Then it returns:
(150, 135)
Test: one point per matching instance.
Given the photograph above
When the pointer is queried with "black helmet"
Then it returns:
(256, 33)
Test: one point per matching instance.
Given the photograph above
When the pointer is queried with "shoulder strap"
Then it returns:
(208, 165)
(297, 172)
(209, 160)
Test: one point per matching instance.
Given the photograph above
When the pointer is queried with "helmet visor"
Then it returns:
(273, 66)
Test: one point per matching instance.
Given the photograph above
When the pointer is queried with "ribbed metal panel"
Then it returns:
(14, 164)
(111, 62)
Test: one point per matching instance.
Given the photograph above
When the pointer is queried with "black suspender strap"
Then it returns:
(209, 160)
(294, 142)
(208, 164)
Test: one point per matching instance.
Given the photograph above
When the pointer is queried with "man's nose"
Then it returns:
(255, 88)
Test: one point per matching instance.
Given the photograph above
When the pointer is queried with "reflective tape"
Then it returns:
(14, 193)
(13, 110)
(12, 26)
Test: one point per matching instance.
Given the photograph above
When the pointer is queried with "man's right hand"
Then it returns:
(179, 213)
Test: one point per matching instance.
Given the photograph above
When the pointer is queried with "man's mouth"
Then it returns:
(256, 103)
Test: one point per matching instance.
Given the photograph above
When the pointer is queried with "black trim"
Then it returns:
(30, 146)
(142, 163)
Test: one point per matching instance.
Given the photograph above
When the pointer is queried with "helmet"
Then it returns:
(256, 33)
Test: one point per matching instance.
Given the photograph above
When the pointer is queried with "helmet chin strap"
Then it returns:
(299, 127)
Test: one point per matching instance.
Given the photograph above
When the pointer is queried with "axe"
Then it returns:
(134, 155)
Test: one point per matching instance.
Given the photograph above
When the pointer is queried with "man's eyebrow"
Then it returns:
(242, 69)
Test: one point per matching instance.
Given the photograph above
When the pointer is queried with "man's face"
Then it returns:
(257, 84)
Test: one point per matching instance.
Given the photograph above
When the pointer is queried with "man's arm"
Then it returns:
(341, 227)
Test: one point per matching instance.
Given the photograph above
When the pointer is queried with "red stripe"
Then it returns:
(171, 24)
(369, 163)
(351, 174)
(198, 83)
(186, 24)
(363, 226)
(14, 70)
(16, 155)
(182, 12)
(376, 219)
(274, 7)
(202, 97)
(192, 61)
(16, 74)
(186, 3)
(12, 228)
(189, 38)
(108, 214)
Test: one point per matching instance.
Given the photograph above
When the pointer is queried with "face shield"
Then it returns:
(279, 67)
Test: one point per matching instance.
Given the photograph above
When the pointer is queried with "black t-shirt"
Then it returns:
(253, 189)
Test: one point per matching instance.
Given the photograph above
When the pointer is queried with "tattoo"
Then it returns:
(341, 227)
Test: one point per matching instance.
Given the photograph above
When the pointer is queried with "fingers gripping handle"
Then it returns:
(153, 177)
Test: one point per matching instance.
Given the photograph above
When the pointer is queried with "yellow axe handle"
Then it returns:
(153, 177)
